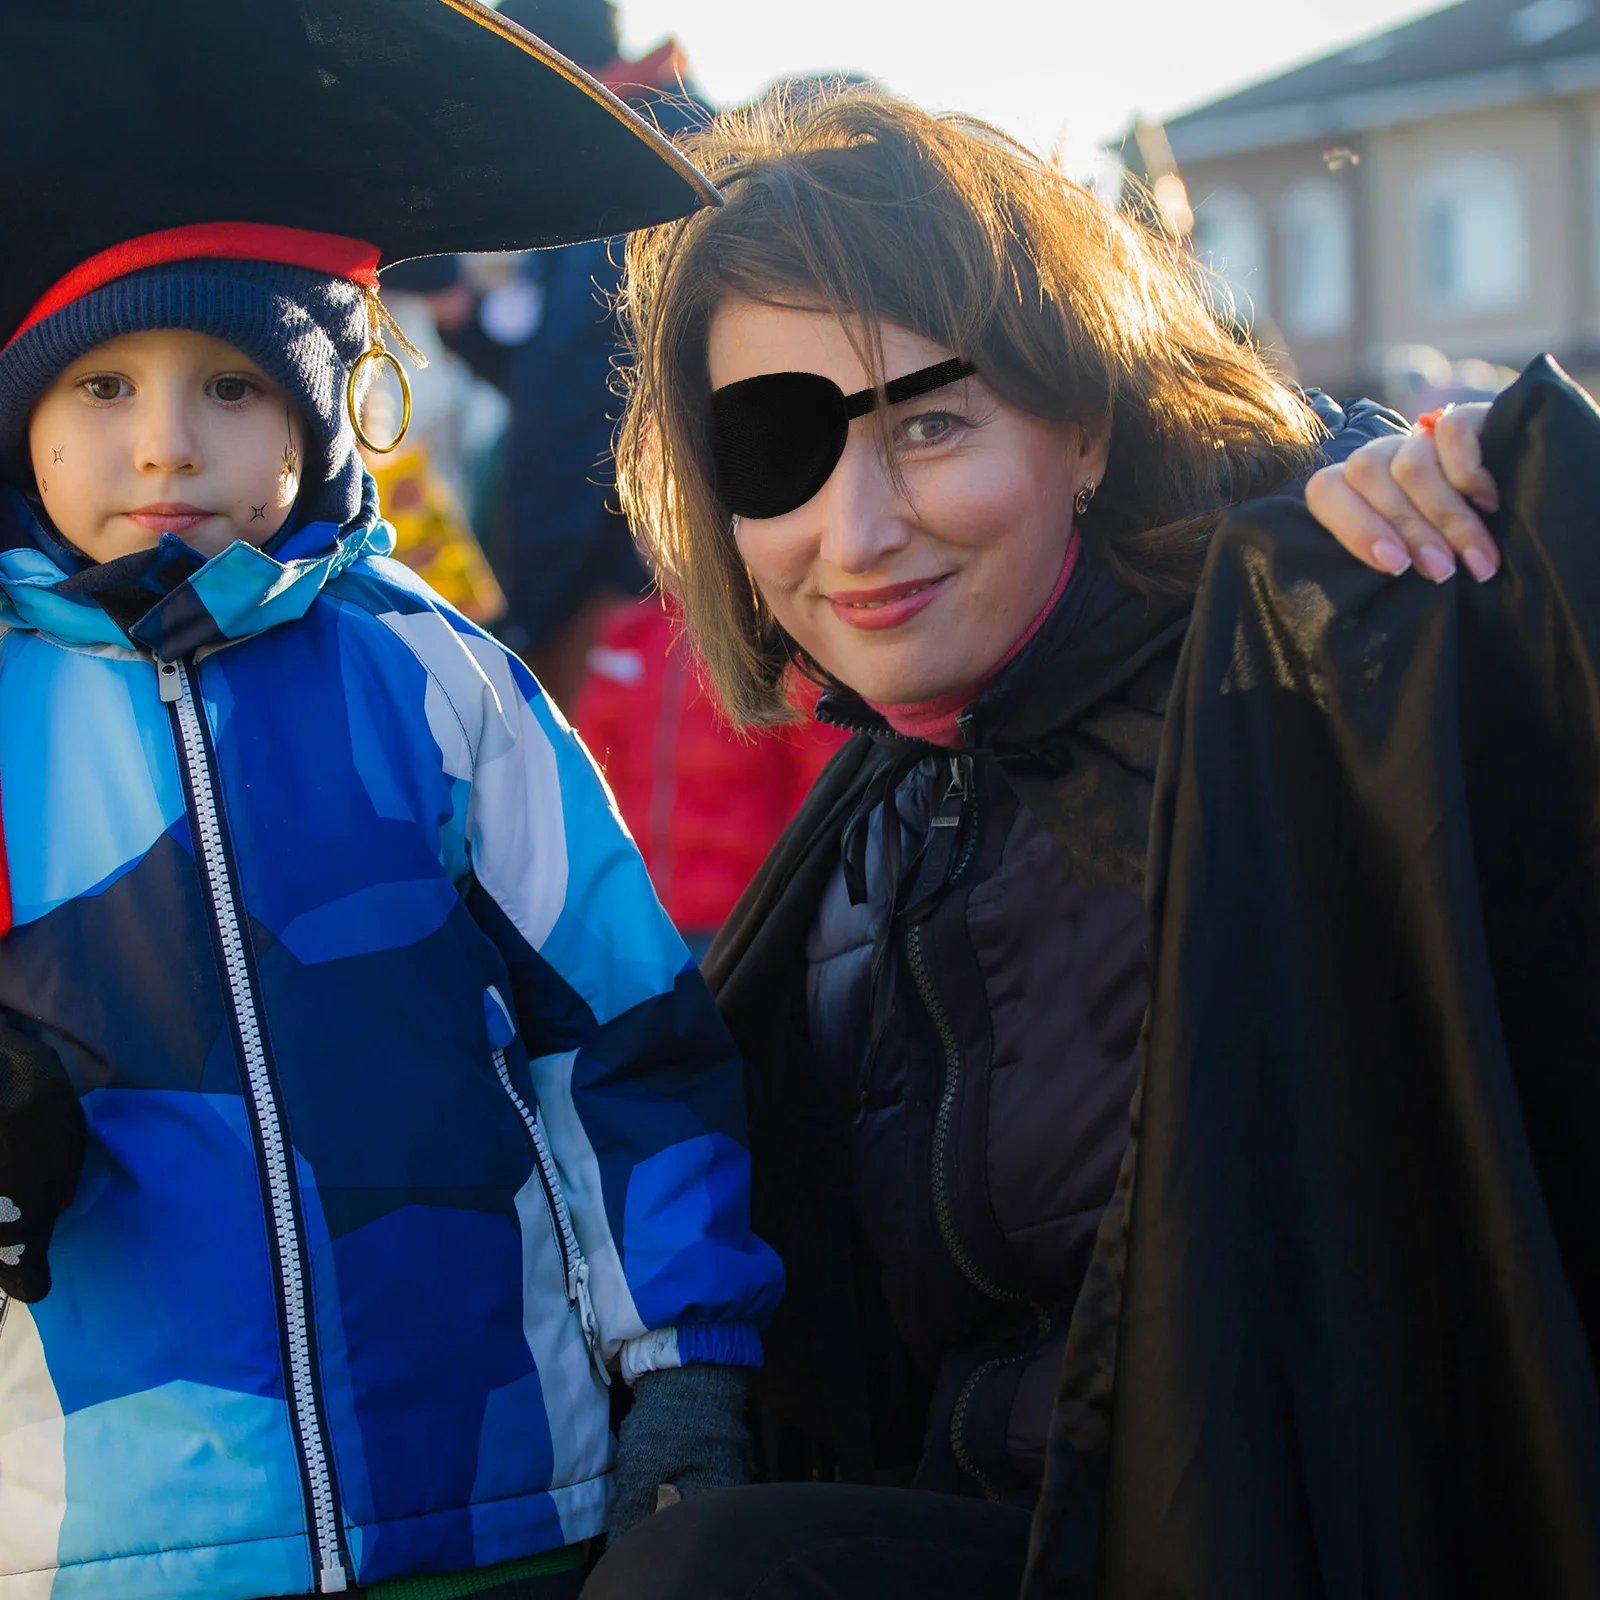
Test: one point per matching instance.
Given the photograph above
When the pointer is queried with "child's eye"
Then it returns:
(230, 389)
(931, 427)
(106, 386)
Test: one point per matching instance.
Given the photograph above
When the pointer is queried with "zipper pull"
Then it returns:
(169, 679)
(949, 813)
(938, 857)
(334, 1581)
(587, 1319)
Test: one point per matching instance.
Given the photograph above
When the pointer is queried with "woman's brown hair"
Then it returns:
(857, 202)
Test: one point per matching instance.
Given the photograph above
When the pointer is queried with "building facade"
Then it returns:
(1436, 185)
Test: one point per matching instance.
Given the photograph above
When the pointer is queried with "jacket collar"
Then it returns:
(170, 601)
(1099, 635)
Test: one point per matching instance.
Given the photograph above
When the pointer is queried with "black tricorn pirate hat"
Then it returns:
(418, 126)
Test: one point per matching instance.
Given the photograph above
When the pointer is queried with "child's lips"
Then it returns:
(172, 517)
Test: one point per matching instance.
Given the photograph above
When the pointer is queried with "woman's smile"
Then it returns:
(890, 606)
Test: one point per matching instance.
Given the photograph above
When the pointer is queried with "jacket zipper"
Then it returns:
(879, 729)
(950, 1083)
(944, 1121)
(958, 1412)
(276, 1161)
(958, 1424)
(574, 1268)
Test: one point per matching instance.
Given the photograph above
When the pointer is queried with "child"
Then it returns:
(405, 1118)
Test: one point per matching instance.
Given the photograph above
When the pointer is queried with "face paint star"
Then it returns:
(257, 511)
(58, 453)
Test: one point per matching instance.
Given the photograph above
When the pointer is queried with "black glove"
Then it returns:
(42, 1139)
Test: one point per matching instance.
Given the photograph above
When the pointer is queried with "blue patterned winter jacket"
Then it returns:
(408, 1114)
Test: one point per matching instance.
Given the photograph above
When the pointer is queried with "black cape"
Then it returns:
(1339, 1337)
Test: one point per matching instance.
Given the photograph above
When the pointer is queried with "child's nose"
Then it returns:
(168, 443)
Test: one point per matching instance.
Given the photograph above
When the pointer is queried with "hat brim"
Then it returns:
(422, 126)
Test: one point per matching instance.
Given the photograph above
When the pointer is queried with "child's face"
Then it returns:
(165, 432)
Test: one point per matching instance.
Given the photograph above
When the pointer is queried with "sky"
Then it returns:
(1062, 75)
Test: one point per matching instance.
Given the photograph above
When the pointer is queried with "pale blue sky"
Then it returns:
(1067, 72)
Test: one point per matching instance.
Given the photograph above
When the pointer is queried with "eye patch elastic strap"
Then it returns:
(776, 438)
(898, 390)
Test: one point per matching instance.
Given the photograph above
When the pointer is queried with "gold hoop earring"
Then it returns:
(1081, 500)
(378, 353)
(380, 317)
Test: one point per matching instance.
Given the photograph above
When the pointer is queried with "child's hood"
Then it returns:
(170, 601)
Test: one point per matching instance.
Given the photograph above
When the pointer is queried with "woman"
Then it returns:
(917, 416)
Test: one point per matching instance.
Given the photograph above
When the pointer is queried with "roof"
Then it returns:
(1464, 57)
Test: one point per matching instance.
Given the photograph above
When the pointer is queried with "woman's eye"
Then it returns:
(231, 390)
(930, 428)
(106, 386)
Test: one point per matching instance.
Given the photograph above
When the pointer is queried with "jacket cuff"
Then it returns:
(722, 1344)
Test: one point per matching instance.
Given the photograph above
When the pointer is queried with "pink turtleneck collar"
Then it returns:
(935, 720)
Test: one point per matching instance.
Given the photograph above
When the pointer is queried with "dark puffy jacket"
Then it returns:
(985, 1127)
(942, 1031)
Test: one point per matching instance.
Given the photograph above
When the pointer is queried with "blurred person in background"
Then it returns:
(457, 412)
(433, 535)
(568, 554)
(456, 421)
(704, 801)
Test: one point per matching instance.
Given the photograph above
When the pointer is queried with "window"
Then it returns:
(1544, 19)
(1473, 236)
(1230, 239)
(1318, 290)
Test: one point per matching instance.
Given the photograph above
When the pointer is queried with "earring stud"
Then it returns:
(1080, 502)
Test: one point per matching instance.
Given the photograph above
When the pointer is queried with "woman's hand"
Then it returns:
(1402, 500)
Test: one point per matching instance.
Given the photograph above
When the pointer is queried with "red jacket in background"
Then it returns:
(703, 803)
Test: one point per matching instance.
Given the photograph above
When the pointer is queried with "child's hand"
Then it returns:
(1411, 499)
(42, 1140)
(685, 1434)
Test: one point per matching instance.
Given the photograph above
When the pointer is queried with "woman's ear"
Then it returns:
(1091, 445)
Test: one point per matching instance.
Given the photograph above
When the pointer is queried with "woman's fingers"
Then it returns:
(1405, 500)
(1440, 507)
(1461, 456)
(1373, 473)
(1364, 531)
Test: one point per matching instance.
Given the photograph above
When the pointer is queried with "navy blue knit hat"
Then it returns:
(305, 329)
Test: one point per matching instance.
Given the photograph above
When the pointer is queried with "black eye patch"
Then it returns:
(775, 439)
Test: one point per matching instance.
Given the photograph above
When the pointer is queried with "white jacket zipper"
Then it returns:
(177, 691)
(574, 1269)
